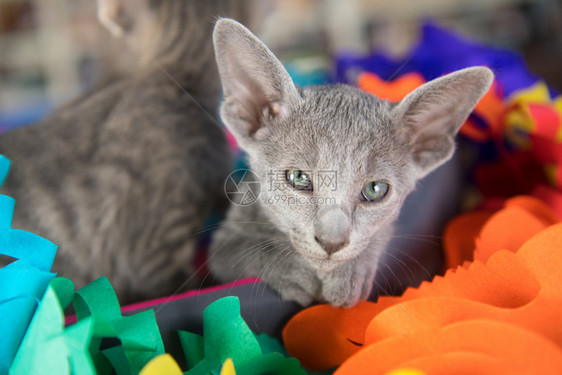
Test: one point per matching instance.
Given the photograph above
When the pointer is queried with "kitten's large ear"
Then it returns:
(255, 84)
(431, 115)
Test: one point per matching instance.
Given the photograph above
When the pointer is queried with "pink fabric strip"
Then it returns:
(190, 293)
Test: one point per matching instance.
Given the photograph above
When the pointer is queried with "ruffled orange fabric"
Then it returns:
(500, 313)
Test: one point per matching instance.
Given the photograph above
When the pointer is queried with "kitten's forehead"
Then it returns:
(344, 108)
(336, 124)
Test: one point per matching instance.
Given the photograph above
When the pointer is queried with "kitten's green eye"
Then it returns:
(298, 179)
(374, 191)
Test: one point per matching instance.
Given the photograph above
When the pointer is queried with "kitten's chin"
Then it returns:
(324, 265)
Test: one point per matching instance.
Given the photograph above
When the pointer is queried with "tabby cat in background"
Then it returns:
(123, 177)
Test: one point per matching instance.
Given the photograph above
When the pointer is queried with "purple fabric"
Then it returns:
(438, 52)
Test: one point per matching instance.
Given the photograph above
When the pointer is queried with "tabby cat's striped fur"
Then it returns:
(122, 177)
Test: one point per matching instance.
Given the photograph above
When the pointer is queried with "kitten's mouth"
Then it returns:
(319, 260)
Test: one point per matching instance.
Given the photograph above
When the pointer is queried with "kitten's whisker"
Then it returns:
(421, 266)
(262, 245)
(276, 225)
(394, 274)
(274, 263)
(284, 254)
(420, 235)
(264, 270)
(179, 289)
(386, 281)
(206, 228)
(434, 240)
(395, 301)
(261, 275)
(402, 264)
(408, 276)
(212, 227)
(259, 246)
(245, 248)
(242, 256)
(287, 264)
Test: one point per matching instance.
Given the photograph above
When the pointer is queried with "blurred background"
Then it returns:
(49, 49)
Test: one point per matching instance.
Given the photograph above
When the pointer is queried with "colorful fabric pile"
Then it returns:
(497, 308)
(517, 125)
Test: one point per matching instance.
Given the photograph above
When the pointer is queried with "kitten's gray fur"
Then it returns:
(326, 128)
(123, 177)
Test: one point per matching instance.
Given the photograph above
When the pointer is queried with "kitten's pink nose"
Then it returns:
(331, 247)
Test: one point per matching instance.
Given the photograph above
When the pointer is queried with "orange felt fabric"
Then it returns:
(468, 347)
(393, 91)
(336, 333)
(509, 229)
(459, 237)
(535, 206)
(511, 287)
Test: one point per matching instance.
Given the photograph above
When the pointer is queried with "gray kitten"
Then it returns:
(335, 165)
(123, 177)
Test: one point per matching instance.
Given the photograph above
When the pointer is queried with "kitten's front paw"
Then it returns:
(346, 294)
(347, 288)
(295, 281)
(295, 292)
